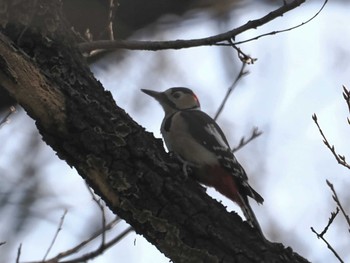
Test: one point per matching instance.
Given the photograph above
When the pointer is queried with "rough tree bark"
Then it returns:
(41, 67)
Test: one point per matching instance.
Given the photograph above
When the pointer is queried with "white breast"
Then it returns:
(180, 141)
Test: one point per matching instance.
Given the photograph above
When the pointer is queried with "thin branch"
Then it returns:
(101, 207)
(59, 228)
(6, 118)
(243, 142)
(110, 19)
(101, 249)
(321, 235)
(246, 59)
(33, 10)
(178, 44)
(284, 30)
(340, 158)
(18, 253)
(346, 95)
(240, 75)
(336, 199)
(113, 5)
(330, 221)
(84, 243)
(77, 248)
(103, 246)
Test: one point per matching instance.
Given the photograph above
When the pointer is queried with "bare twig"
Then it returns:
(336, 199)
(32, 13)
(113, 5)
(82, 244)
(103, 246)
(340, 158)
(241, 74)
(59, 228)
(101, 249)
(18, 253)
(330, 221)
(321, 235)
(346, 94)
(284, 30)
(6, 118)
(110, 19)
(246, 59)
(178, 44)
(101, 207)
(328, 245)
(243, 142)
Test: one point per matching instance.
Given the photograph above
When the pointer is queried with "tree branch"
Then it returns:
(111, 13)
(19, 253)
(337, 201)
(93, 254)
(321, 235)
(101, 249)
(340, 158)
(346, 95)
(59, 228)
(240, 75)
(179, 44)
(243, 142)
(284, 30)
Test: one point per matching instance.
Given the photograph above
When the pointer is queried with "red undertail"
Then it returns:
(225, 184)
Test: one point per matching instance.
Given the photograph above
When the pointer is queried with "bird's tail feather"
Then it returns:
(254, 194)
(249, 215)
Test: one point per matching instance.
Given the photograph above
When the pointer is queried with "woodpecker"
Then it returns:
(200, 143)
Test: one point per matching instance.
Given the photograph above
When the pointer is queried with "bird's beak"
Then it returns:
(155, 94)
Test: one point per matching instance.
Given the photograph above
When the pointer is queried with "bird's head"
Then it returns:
(175, 99)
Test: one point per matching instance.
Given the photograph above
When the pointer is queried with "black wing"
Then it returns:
(213, 139)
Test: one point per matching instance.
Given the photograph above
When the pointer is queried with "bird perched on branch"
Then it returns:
(199, 142)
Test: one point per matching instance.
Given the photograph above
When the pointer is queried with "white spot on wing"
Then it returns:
(210, 128)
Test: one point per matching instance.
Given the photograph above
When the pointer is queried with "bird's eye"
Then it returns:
(177, 95)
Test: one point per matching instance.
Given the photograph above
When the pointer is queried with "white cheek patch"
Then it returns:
(210, 128)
